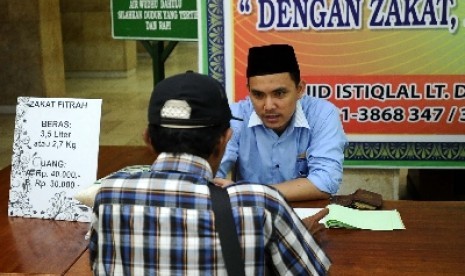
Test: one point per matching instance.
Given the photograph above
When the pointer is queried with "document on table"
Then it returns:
(344, 217)
(306, 212)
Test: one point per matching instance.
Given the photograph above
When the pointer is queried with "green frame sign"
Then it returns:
(154, 19)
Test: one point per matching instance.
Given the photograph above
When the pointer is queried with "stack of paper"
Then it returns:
(344, 217)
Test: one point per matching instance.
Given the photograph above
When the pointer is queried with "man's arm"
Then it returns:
(300, 189)
(293, 190)
(293, 239)
(325, 154)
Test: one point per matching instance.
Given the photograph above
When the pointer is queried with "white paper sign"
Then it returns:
(55, 153)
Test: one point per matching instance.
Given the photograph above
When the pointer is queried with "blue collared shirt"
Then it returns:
(312, 146)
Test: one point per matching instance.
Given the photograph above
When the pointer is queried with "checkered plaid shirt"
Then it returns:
(160, 222)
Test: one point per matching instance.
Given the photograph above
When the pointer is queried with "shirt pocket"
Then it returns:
(301, 168)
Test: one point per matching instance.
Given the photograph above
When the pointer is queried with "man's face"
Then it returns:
(274, 99)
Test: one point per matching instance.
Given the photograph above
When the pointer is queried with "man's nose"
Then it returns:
(268, 104)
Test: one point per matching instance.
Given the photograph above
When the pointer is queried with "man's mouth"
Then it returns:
(271, 118)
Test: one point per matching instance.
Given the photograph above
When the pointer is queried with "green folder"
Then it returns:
(381, 220)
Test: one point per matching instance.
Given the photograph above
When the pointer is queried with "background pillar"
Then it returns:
(31, 52)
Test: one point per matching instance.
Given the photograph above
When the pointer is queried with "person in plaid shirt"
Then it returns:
(160, 221)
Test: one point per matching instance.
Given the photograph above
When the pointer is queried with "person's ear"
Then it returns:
(222, 143)
(225, 138)
(217, 154)
(147, 139)
(301, 88)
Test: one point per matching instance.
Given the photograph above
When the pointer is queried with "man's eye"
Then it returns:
(257, 95)
(280, 93)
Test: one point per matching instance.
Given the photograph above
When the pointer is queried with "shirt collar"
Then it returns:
(183, 163)
(299, 118)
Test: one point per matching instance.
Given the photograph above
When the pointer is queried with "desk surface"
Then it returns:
(432, 244)
(48, 246)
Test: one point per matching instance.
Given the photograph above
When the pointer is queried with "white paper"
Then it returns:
(55, 154)
(306, 212)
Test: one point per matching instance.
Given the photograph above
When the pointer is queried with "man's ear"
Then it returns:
(225, 138)
(223, 141)
(215, 158)
(147, 139)
(301, 88)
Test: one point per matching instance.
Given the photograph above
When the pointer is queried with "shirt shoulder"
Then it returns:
(312, 106)
(319, 112)
(242, 109)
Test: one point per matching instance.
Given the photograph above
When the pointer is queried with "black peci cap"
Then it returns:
(189, 100)
(271, 59)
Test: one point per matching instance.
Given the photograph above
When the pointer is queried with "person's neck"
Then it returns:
(279, 132)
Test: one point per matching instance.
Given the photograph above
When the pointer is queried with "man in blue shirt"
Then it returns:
(288, 139)
(160, 221)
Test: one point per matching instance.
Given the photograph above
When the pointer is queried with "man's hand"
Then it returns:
(312, 222)
(222, 182)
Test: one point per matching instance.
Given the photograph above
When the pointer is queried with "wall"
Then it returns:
(89, 49)
(31, 59)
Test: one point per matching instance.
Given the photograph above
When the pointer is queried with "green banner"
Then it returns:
(154, 19)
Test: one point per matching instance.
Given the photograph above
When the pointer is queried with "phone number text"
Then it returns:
(429, 114)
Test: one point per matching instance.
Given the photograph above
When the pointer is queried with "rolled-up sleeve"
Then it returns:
(325, 156)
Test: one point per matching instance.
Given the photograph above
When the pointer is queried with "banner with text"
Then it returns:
(395, 68)
(55, 154)
(154, 19)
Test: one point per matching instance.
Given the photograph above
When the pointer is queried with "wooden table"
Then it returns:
(36, 246)
(432, 244)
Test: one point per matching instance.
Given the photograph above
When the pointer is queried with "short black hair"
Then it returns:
(295, 76)
(200, 142)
